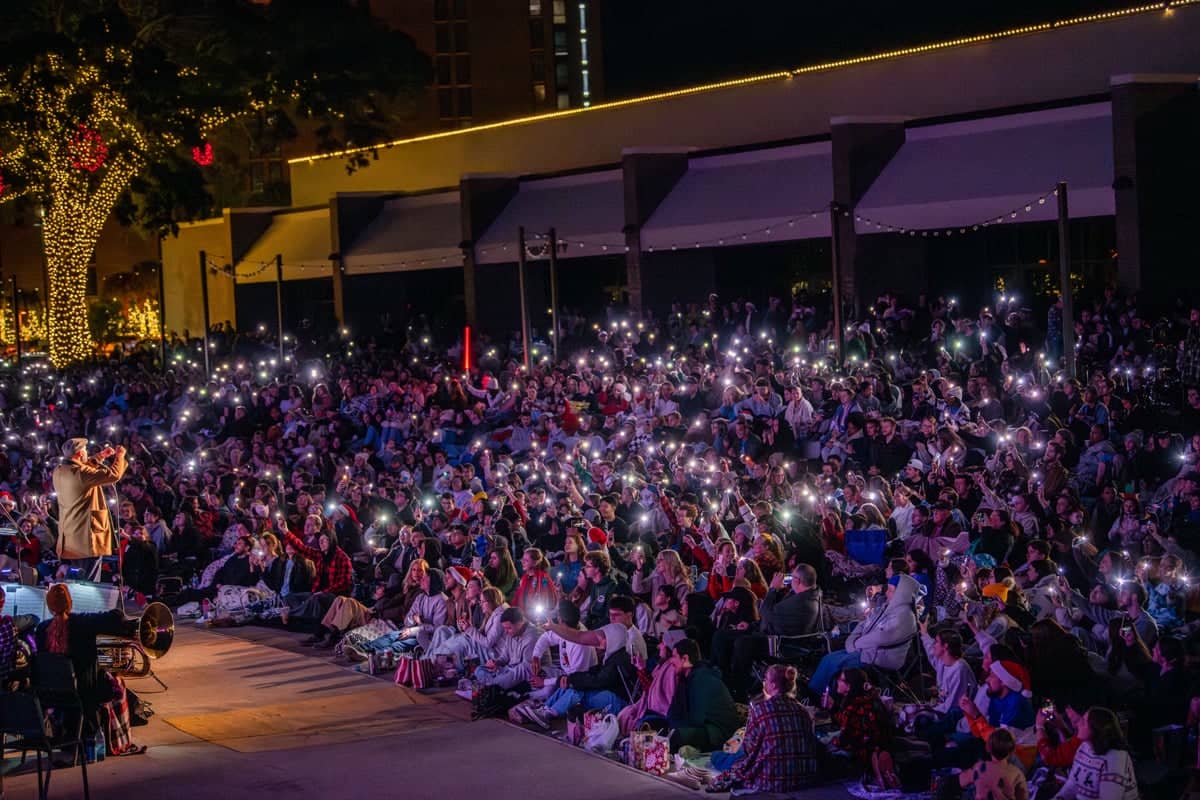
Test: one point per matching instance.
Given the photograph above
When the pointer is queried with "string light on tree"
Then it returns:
(203, 154)
(87, 149)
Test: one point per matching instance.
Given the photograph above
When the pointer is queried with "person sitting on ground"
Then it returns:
(864, 727)
(607, 685)
(1008, 691)
(427, 613)
(954, 676)
(469, 641)
(702, 714)
(1102, 767)
(333, 578)
(779, 747)
(601, 588)
(996, 777)
(572, 657)
(509, 667)
(661, 685)
(536, 593)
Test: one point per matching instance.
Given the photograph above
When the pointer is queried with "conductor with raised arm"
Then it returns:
(84, 525)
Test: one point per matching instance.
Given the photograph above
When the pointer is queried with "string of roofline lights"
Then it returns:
(543, 239)
(949, 230)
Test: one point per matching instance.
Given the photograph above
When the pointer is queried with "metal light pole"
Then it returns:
(838, 334)
(521, 289)
(16, 318)
(554, 292)
(1064, 277)
(279, 304)
(162, 311)
(204, 305)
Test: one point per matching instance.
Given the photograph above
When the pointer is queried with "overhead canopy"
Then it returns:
(965, 173)
(776, 194)
(587, 212)
(410, 233)
(301, 237)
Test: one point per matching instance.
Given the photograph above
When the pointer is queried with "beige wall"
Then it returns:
(181, 273)
(1063, 63)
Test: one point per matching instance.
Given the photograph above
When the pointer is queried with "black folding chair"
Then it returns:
(909, 680)
(22, 727)
(55, 687)
(802, 651)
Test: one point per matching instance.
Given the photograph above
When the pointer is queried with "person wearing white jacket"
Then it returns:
(572, 657)
(468, 642)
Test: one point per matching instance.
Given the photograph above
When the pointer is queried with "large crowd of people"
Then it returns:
(955, 549)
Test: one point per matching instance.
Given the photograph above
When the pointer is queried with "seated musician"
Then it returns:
(74, 635)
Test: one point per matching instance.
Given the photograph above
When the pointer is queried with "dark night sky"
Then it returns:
(660, 44)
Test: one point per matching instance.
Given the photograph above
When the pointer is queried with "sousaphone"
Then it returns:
(131, 656)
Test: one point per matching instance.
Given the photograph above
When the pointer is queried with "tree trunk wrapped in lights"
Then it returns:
(107, 106)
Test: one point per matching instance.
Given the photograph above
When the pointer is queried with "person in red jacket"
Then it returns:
(537, 593)
(333, 577)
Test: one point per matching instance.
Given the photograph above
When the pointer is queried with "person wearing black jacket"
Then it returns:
(139, 565)
(291, 575)
(785, 611)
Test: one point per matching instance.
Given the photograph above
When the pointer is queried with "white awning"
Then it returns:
(776, 194)
(965, 173)
(410, 233)
(301, 237)
(587, 212)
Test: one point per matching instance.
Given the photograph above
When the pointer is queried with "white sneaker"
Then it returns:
(539, 716)
(465, 694)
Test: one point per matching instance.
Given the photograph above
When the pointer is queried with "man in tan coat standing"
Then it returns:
(84, 525)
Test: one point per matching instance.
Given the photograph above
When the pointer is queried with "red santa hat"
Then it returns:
(461, 574)
(597, 536)
(1012, 675)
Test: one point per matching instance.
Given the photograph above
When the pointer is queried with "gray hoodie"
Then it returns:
(884, 637)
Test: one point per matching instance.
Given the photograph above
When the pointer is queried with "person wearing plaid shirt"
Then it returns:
(779, 747)
(8, 644)
(333, 577)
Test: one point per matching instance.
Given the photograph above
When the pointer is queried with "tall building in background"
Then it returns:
(499, 60)
(492, 60)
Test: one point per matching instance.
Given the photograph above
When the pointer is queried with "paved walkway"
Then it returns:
(243, 719)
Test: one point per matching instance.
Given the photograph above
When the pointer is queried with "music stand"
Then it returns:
(18, 537)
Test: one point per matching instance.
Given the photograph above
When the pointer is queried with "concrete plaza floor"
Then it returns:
(252, 715)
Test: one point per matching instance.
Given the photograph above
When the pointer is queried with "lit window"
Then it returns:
(564, 100)
(560, 12)
(535, 8)
(539, 93)
(583, 17)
